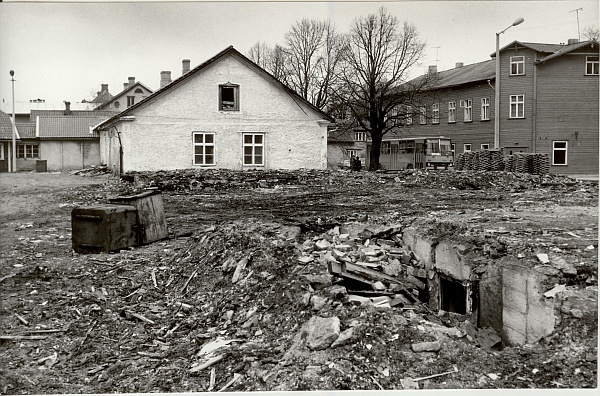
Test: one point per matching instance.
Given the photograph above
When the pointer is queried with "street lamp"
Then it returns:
(14, 127)
(497, 95)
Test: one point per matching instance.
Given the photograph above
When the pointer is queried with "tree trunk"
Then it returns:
(375, 150)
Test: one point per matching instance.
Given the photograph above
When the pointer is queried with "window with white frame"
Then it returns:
(485, 146)
(517, 106)
(453, 148)
(409, 115)
(386, 148)
(485, 109)
(352, 153)
(517, 65)
(204, 148)
(591, 65)
(2, 151)
(360, 136)
(451, 111)
(422, 115)
(26, 150)
(229, 97)
(559, 152)
(435, 113)
(468, 111)
(130, 100)
(467, 147)
(254, 148)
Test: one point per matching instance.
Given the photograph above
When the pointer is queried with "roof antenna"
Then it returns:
(578, 33)
(436, 54)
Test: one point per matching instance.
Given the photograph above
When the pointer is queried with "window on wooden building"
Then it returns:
(485, 109)
(360, 136)
(517, 106)
(435, 113)
(591, 65)
(467, 147)
(468, 109)
(451, 112)
(559, 152)
(485, 146)
(204, 148)
(409, 115)
(517, 65)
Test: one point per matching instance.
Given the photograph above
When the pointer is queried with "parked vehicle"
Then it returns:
(416, 153)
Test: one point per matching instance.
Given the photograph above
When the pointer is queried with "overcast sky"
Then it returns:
(64, 51)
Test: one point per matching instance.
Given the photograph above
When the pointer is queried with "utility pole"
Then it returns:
(14, 125)
(577, 11)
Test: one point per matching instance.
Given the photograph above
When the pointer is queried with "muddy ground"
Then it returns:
(145, 319)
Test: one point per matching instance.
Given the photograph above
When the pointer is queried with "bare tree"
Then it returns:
(313, 48)
(272, 60)
(378, 57)
(590, 33)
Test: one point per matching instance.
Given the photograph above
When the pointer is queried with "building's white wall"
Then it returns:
(66, 155)
(160, 137)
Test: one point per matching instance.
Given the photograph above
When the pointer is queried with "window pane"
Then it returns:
(247, 160)
(198, 138)
(199, 150)
(258, 150)
(258, 159)
(198, 160)
(560, 157)
(227, 94)
(210, 159)
(209, 149)
(248, 150)
(560, 144)
(209, 138)
(258, 139)
(248, 139)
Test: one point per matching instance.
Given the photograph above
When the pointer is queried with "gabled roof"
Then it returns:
(67, 127)
(103, 97)
(552, 50)
(124, 92)
(199, 68)
(26, 129)
(476, 72)
(74, 113)
(6, 126)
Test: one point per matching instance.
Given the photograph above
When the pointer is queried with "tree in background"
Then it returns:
(378, 56)
(272, 59)
(590, 33)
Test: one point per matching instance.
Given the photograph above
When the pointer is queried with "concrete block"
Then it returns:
(450, 261)
(517, 321)
(421, 247)
(515, 299)
(514, 278)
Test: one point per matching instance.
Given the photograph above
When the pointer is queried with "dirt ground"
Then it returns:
(145, 319)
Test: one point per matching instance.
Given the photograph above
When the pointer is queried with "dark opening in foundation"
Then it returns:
(453, 296)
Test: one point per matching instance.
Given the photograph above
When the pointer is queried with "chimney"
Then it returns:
(459, 64)
(104, 88)
(125, 85)
(131, 81)
(165, 78)
(67, 108)
(572, 41)
(433, 69)
(185, 66)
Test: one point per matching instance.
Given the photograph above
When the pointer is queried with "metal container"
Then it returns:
(151, 214)
(104, 228)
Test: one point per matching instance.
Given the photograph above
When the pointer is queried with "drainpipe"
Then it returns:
(534, 126)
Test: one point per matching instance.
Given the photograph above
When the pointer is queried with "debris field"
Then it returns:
(286, 281)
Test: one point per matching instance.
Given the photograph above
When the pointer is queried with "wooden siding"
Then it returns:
(516, 132)
(475, 132)
(567, 110)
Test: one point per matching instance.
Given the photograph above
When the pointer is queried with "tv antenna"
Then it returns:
(436, 55)
(577, 11)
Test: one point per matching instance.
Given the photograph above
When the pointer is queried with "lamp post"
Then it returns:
(497, 93)
(14, 127)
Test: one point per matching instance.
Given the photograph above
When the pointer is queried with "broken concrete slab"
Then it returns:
(321, 332)
(344, 338)
(428, 346)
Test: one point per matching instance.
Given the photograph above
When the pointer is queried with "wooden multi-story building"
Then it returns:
(548, 104)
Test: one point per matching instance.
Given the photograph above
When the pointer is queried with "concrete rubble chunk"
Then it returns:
(428, 346)
(378, 286)
(318, 302)
(543, 257)
(322, 244)
(306, 259)
(318, 282)
(321, 332)
(344, 338)
(554, 291)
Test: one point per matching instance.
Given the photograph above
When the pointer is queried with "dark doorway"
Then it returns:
(453, 296)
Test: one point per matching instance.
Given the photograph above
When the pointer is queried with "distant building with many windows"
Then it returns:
(548, 104)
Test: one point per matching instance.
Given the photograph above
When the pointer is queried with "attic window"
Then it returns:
(229, 97)
(517, 65)
(138, 90)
